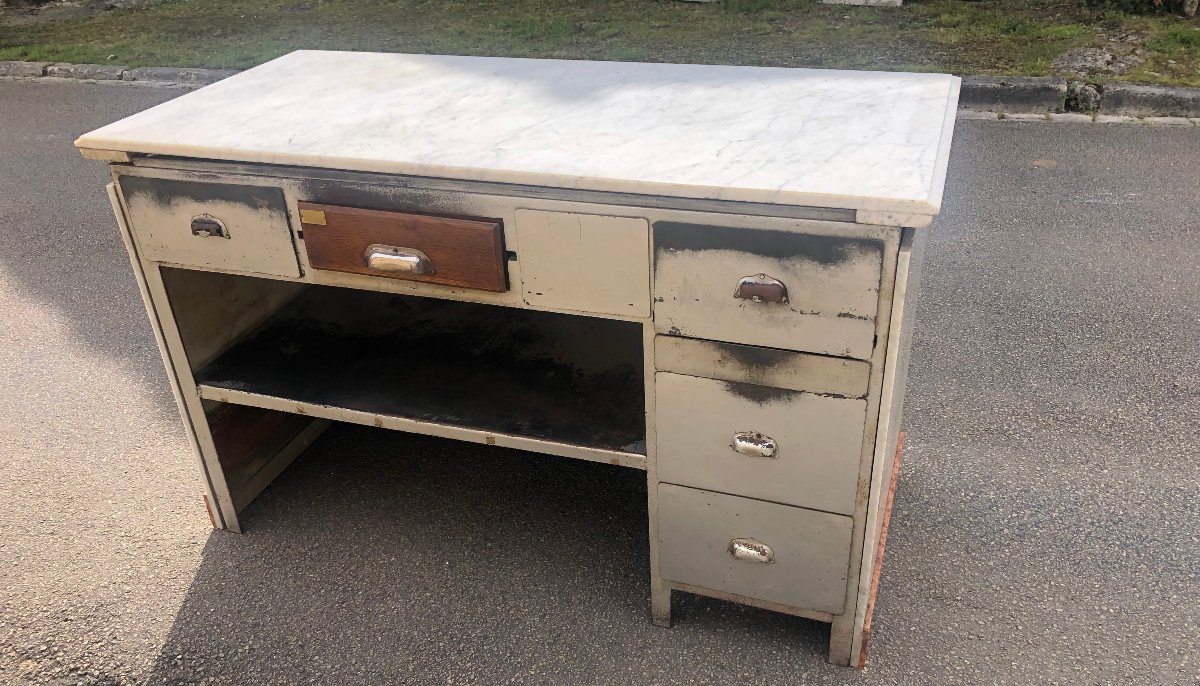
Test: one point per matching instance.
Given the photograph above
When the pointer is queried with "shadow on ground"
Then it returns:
(381, 557)
(61, 244)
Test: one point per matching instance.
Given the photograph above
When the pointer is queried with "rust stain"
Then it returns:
(878, 567)
(212, 519)
(490, 440)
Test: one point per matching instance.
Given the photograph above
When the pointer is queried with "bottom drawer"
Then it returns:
(777, 553)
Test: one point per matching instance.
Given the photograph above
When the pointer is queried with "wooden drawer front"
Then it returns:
(771, 288)
(804, 563)
(210, 225)
(786, 446)
(415, 247)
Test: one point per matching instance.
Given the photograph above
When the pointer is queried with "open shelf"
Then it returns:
(510, 376)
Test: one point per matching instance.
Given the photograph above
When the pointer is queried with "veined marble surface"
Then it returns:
(860, 140)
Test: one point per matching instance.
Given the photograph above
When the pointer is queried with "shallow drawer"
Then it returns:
(786, 446)
(767, 551)
(451, 251)
(212, 225)
(777, 289)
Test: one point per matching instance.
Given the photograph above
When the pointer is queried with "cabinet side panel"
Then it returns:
(217, 514)
(904, 305)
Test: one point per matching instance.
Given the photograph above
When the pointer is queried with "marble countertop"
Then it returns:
(873, 141)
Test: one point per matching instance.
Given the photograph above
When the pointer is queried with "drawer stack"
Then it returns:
(762, 363)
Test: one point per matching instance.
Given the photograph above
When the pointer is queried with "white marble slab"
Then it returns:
(861, 140)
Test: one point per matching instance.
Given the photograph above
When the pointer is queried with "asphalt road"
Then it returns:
(1045, 526)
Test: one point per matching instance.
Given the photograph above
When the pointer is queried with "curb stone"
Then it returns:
(95, 72)
(23, 68)
(1150, 101)
(1026, 94)
(177, 75)
(1039, 95)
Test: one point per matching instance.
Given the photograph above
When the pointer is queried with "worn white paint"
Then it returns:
(221, 505)
(810, 548)
(844, 139)
(585, 262)
(741, 363)
(831, 308)
(818, 440)
(259, 241)
(891, 399)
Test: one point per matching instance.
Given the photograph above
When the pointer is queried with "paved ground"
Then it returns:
(1045, 528)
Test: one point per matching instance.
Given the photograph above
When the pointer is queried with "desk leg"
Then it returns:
(660, 603)
(660, 591)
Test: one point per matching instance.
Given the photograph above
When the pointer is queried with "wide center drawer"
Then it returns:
(452, 251)
(778, 289)
(772, 552)
(787, 446)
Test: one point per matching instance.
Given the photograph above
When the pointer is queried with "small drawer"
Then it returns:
(452, 251)
(771, 552)
(210, 225)
(794, 291)
(787, 446)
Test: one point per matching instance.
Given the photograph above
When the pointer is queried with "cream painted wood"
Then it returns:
(445, 197)
(192, 402)
(891, 403)
(832, 288)
(258, 239)
(842, 629)
(219, 309)
(752, 602)
(585, 262)
(211, 488)
(191, 407)
(341, 414)
(810, 549)
(660, 588)
(762, 366)
(816, 441)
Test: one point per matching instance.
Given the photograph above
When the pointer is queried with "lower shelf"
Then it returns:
(341, 414)
(553, 383)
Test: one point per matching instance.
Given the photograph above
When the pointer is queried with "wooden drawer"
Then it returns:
(769, 443)
(794, 291)
(451, 251)
(771, 552)
(210, 225)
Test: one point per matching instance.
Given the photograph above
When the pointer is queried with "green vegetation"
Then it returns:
(1002, 37)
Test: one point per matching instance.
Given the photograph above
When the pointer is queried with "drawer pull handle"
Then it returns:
(754, 444)
(206, 226)
(751, 550)
(389, 258)
(761, 288)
